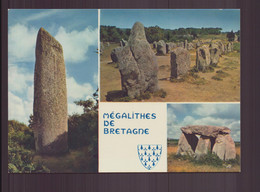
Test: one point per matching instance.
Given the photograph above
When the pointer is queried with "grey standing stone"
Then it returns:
(155, 45)
(202, 58)
(229, 47)
(138, 64)
(115, 54)
(180, 44)
(214, 54)
(123, 42)
(180, 62)
(170, 46)
(161, 48)
(50, 116)
(190, 46)
(186, 44)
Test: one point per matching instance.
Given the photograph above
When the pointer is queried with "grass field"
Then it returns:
(179, 165)
(207, 87)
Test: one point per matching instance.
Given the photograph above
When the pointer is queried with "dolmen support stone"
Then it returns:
(202, 58)
(180, 62)
(212, 139)
(50, 116)
(138, 64)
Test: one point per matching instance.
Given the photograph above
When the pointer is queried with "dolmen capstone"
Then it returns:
(212, 139)
(180, 62)
(161, 48)
(50, 116)
(202, 58)
(138, 64)
(115, 54)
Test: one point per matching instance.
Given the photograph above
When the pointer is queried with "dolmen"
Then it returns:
(199, 140)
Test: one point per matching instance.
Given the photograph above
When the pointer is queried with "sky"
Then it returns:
(76, 30)
(227, 19)
(225, 114)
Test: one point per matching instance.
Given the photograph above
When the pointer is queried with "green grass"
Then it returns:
(220, 75)
(237, 47)
(210, 159)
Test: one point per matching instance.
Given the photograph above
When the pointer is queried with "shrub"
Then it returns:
(21, 150)
(146, 95)
(160, 93)
(209, 159)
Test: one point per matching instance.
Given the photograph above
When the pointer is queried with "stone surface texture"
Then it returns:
(138, 64)
(161, 47)
(180, 62)
(50, 116)
(115, 54)
(202, 58)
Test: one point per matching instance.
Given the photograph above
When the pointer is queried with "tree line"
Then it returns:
(155, 33)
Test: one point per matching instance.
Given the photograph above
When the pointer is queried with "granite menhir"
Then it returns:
(138, 64)
(50, 119)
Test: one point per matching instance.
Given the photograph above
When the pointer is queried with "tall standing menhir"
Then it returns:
(50, 120)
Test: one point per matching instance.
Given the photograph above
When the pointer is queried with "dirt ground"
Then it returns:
(210, 90)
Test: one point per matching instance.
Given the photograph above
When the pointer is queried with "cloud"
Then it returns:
(78, 91)
(76, 43)
(73, 109)
(18, 79)
(219, 110)
(95, 79)
(21, 43)
(40, 15)
(203, 114)
(18, 108)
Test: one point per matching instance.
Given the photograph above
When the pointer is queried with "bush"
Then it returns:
(21, 150)
(209, 159)
(117, 95)
(160, 93)
(146, 95)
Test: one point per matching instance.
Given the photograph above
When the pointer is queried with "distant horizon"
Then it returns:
(227, 19)
(176, 28)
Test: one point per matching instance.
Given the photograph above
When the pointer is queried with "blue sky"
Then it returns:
(76, 30)
(180, 115)
(227, 19)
